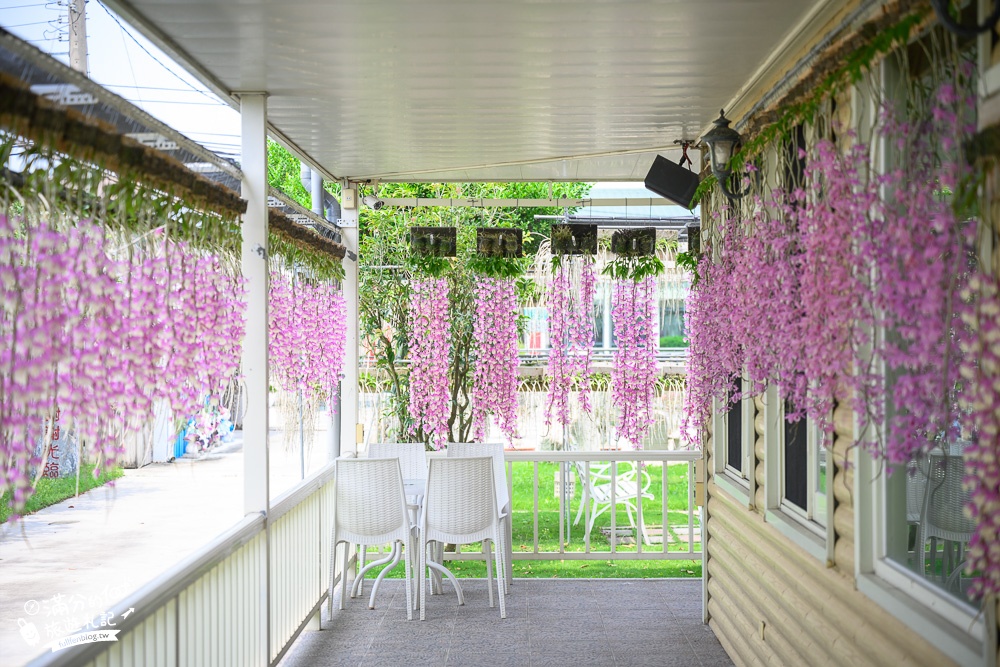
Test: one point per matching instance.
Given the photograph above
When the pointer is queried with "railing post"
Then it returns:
(256, 494)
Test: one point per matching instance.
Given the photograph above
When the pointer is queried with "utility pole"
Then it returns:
(77, 34)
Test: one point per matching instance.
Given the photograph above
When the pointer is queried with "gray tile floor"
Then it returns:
(550, 622)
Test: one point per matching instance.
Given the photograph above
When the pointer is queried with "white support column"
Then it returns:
(349, 385)
(253, 114)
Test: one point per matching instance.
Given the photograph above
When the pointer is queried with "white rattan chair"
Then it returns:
(370, 508)
(413, 464)
(596, 479)
(460, 507)
(504, 505)
(412, 456)
(943, 514)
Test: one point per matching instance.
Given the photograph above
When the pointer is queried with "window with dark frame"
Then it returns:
(734, 430)
(796, 468)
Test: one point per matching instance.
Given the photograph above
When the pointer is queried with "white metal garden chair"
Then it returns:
(504, 505)
(460, 507)
(370, 509)
(596, 479)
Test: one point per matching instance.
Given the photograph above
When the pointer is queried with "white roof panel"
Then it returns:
(460, 90)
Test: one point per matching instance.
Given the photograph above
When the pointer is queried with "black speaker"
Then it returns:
(672, 181)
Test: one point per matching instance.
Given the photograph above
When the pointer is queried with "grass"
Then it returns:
(548, 530)
(52, 491)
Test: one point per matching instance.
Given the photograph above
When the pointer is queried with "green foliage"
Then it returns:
(689, 262)
(497, 267)
(51, 491)
(435, 267)
(634, 268)
(673, 341)
(284, 173)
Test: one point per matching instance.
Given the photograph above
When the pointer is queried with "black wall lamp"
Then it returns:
(722, 142)
(944, 16)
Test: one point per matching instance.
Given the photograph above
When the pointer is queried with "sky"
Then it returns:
(122, 60)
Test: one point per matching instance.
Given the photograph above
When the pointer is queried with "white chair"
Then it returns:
(412, 456)
(943, 514)
(370, 508)
(413, 464)
(596, 479)
(460, 507)
(504, 504)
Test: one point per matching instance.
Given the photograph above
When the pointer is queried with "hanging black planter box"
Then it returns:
(502, 242)
(433, 241)
(574, 239)
(634, 242)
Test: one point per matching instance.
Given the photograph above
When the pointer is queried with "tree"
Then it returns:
(385, 272)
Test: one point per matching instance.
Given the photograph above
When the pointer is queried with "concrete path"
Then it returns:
(74, 561)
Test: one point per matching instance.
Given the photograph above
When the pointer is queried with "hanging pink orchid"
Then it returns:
(634, 373)
(307, 335)
(494, 385)
(571, 336)
(97, 340)
(429, 347)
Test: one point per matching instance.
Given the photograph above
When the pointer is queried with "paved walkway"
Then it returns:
(75, 560)
(550, 623)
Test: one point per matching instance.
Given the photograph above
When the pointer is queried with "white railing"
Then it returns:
(574, 543)
(241, 600)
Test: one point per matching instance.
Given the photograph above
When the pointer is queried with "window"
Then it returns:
(735, 460)
(803, 472)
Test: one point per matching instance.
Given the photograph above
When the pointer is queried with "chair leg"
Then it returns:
(508, 553)
(396, 552)
(357, 587)
(501, 582)
(487, 546)
(343, 575)
(408, 575)
(333, 571)
(422, 557)
(359, 581)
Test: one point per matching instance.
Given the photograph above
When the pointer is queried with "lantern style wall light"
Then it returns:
(722, 142)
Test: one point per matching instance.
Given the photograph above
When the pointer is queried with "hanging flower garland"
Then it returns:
(307, 335)
(97, 339)
(429, 350)
(571, 336)
(495, 379)
(634, 372)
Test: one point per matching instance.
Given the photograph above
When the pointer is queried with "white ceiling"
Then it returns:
(468, 90)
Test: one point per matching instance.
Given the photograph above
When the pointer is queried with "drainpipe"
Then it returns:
(325, 205)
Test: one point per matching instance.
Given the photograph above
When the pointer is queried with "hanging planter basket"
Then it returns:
(499, 242)
(634, 242)
(575, 239)
(433, 241)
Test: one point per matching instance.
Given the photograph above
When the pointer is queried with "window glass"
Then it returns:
(928, 531)
(734, 433)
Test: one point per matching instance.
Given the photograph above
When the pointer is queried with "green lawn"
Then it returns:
(51, 491)
(548, 530)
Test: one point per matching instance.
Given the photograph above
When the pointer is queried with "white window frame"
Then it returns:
(736, 483)
(789, 519)
(954, 627)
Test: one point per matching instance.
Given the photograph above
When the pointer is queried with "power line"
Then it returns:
(157, 60)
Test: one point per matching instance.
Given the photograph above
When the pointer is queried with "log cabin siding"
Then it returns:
(812, 614)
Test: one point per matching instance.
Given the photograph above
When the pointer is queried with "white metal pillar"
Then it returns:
(349, 385)
(253, 115)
